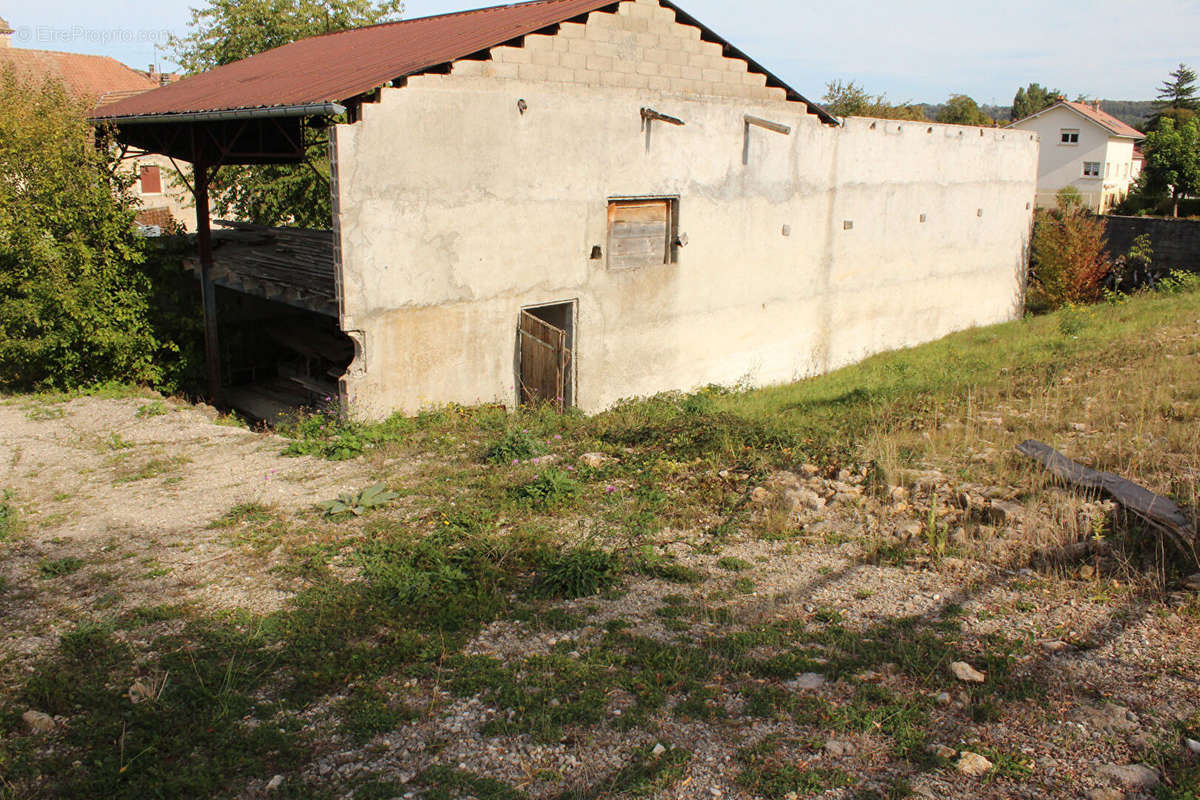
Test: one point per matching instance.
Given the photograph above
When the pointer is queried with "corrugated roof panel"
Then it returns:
(338, 66)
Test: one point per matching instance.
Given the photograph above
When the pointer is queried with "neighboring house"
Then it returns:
(100, 79)
(585, 200)
(1085, 147)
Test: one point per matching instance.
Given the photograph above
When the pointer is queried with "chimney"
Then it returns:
(1096, 105)
(6, 33)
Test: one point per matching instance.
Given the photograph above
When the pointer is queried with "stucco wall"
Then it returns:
(457, 210)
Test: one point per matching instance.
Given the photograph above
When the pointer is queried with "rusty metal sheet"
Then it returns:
(339, 66)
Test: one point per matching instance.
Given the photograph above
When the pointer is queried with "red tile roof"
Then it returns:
(89, 77)
(1102, 118)
(336, 67)
(1098, 115)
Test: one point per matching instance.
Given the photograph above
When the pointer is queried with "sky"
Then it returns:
(918, 51)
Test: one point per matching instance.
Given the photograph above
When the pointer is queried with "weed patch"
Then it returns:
(360, 502)
(514, 447)
(10, 518)
(60, 566)
(580, 572)
(551, 488)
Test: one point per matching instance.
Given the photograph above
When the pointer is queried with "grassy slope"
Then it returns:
(475, 541)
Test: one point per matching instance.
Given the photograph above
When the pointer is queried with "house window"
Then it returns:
(151, 179)
(1069, 136)
(1107, 169)
(642, 232)
(1091, 169)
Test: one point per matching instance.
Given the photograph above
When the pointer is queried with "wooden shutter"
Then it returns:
(151, 180)
(639, 233)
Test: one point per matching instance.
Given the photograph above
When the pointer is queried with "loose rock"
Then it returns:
(836, 748)
(658, 749)
(595, 460)
(941, 751)
(1131, 776)
(139, 692)
(804, 498)
(274, 783)
(809, 680)
(973, 764)
(38, 721)
(965, 672)
(1106, 794)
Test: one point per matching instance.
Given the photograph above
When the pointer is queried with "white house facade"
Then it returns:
(1085, 147)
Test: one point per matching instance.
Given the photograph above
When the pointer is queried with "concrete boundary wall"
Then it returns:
(465, 198)
(1176, 242)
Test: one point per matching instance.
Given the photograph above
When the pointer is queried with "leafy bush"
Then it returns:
(516, 445)
(74, 307)
(1179, 282)
(580, 572)
(1070, 261)
(550, 488)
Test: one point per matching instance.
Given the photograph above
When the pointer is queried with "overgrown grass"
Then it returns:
(479, 539)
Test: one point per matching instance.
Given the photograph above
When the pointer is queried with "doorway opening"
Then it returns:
(545, 355)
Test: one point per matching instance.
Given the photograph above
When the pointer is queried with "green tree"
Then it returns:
(1177, 98)
(74, 306)
(851, 100)
(1172, 161)
(1032, 99)
(1180, 90)
(1070, 259)
(225, 31)
(962, 110)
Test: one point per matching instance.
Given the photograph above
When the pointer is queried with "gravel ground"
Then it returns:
(1119, 666)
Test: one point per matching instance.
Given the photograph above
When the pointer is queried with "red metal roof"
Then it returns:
(338, 66)
(88, 77)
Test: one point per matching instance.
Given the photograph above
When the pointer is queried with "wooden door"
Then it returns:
(544, 360)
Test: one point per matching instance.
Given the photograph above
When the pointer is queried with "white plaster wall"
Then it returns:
(1061, 164)
(456, 211)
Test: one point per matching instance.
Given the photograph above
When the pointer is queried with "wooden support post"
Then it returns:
(208, 291)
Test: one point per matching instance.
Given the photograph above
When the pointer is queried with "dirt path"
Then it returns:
(116, 498)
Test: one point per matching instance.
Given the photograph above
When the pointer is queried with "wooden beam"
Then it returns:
(766, 123)
(208, 290)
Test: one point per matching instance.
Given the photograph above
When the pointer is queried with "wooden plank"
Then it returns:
(543, 354)
(638, 233)
(775, 127)
(1155, 509)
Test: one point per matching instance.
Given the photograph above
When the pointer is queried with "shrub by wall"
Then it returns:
(1069, 257)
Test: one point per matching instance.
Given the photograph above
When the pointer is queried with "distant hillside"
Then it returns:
(1131, 112)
